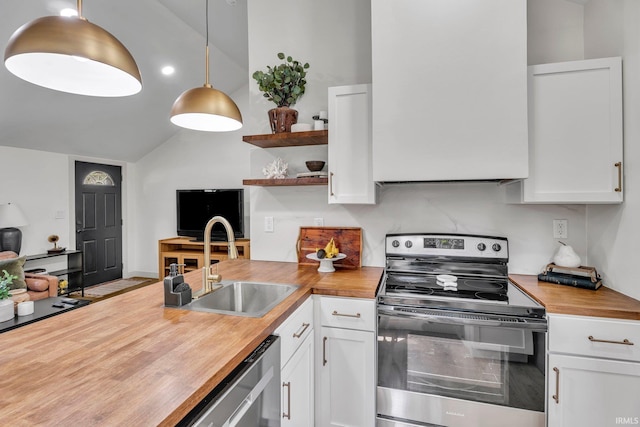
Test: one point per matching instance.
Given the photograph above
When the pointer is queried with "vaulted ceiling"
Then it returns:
(157, 33)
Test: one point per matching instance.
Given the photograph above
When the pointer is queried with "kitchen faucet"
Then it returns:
(208, 279)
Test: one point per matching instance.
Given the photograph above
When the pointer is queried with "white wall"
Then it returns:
(37, 182)
(464, 208)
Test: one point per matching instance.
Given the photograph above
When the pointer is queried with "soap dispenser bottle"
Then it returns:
(176, 291)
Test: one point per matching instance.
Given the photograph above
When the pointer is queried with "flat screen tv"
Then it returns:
(197, 207)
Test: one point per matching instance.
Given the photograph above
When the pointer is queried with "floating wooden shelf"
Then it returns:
(288, 139)
(286, 182)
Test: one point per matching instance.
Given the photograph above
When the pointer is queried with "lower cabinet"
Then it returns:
(345, 363)
(297, 367)
(297, 387)
(594, 392)
(593, 372)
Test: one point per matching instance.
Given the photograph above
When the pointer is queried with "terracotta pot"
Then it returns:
(281, 119)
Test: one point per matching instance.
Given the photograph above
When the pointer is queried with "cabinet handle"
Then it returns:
(356, 316)
(331, 184)
(304, 328)
(619, 166)
(324, 351)
(288, 414)
(623, 342)
(556, 396)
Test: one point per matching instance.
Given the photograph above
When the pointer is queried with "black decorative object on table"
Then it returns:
(11, 217)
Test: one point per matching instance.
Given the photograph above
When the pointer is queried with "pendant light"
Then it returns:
(205, 108)
(70, 54)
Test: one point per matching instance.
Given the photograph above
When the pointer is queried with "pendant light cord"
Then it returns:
(79, 8)
(207, 84)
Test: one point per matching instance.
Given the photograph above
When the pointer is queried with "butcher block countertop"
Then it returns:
(128, 360)
(561, 299)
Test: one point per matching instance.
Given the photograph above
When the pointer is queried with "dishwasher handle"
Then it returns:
(253, 395)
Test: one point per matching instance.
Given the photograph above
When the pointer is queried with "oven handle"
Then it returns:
(457, 320)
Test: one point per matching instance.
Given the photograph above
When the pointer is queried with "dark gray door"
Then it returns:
(99, 221)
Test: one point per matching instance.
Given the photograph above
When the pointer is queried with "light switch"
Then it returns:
(268, 224)
(59, 215)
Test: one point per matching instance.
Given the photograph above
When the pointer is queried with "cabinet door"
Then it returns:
(346, 375)
(297, 387)
(450, 89)
(350, 174)
(592, 392)
(575, 132)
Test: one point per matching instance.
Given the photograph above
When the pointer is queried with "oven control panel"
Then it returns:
(457, 245)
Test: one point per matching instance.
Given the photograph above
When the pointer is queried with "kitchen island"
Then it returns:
(128, 360)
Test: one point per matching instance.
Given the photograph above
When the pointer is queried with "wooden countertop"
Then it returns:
(561, 299)
(127, 360)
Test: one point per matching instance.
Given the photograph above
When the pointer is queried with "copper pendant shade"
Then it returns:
(70, 54)
(205, 108)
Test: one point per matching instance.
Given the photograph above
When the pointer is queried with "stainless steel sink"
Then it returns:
(250, 299)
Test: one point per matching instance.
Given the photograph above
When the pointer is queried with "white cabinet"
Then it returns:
(297, 367)
(345, 363)
(297, 387)
(593, 372)
(350, 169)
(575, 134)
(449, 89)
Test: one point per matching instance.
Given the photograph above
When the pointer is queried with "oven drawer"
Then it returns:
(595, 337)
(294, 330)
(349, 313)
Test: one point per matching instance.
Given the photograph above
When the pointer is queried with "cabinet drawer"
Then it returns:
(350, 313)
(294, 330)
(595, 337)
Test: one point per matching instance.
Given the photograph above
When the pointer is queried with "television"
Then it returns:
(196, 207)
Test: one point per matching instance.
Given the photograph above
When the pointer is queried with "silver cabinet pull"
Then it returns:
(304, 328)
(324, 351)
(623, 342)
(356, 316)
(331, 184)
(556, 396)
(619, 166)
(288, 414)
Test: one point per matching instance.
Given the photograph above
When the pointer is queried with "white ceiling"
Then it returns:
(157, 33)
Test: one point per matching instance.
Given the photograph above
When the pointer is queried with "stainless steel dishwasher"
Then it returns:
(248, 397)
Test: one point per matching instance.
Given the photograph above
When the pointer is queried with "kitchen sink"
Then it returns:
(250, 299)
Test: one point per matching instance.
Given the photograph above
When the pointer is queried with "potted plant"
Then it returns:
(283, 84)
(6, 303)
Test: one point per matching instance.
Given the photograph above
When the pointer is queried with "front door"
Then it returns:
(99, 220)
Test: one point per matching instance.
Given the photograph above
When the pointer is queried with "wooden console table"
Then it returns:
(182, 250)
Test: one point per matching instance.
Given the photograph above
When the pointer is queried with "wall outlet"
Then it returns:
(560, 228)
(318, 222)
(268, 224)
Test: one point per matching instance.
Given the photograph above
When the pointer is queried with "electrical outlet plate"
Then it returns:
(318, 222)
(268, 224)
(560, 228)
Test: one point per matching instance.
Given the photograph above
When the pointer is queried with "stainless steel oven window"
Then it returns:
(496, 365)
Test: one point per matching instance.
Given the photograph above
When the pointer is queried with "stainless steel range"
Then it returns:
(458, 343)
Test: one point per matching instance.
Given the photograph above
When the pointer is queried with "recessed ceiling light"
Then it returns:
(68, 12)
(168, 70)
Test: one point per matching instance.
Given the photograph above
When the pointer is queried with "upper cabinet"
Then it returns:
(450, 90)
(575, 134)
(350, 174)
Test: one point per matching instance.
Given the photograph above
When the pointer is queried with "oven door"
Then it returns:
(459, 370)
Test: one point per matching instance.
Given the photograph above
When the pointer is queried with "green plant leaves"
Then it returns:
(284, 83)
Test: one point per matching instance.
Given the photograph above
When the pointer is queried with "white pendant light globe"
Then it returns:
(70, 54)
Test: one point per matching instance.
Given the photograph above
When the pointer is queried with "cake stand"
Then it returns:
(326, 264)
